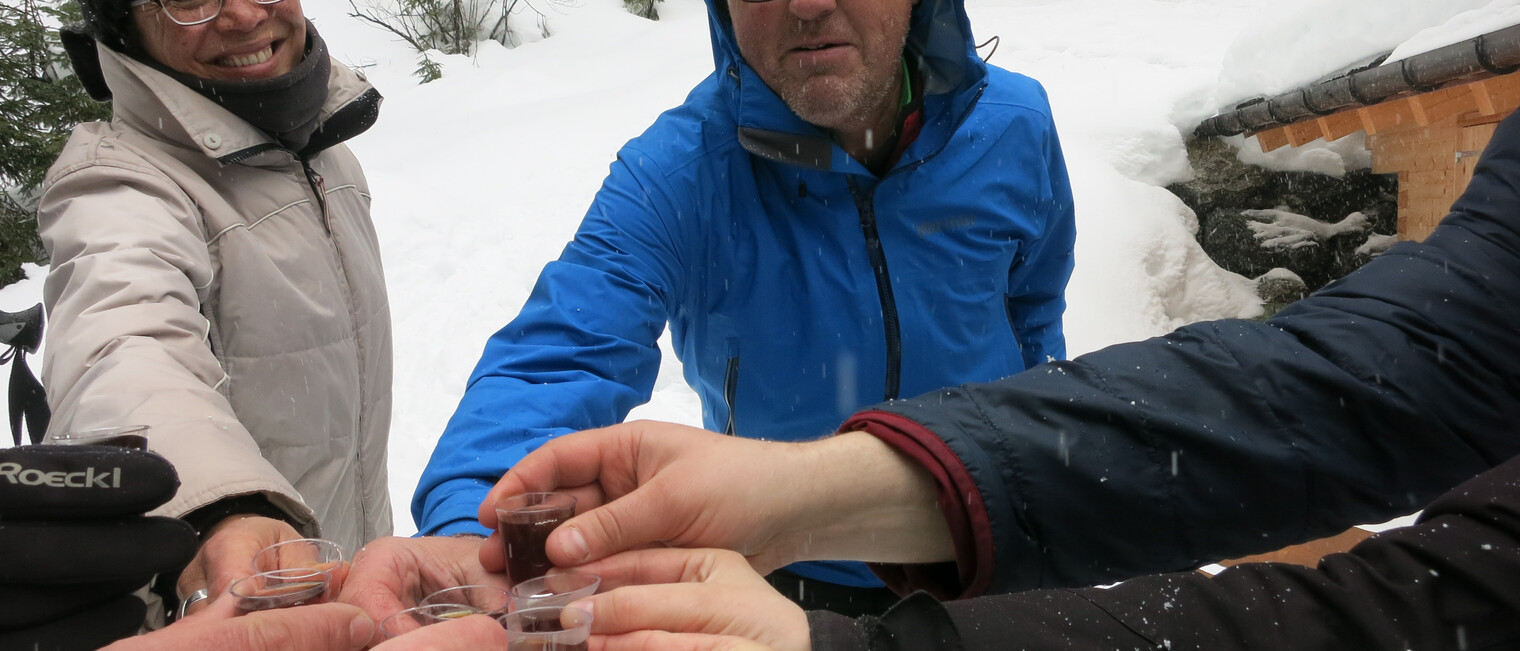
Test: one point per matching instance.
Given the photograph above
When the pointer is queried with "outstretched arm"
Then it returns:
(645, 482)
(581, 354)
(1357, 404)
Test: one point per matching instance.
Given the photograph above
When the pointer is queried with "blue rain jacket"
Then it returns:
(799, 287)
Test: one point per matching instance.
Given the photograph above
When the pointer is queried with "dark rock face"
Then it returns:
(1230, 196)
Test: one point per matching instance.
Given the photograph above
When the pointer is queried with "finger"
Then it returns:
(493, 556)
(326, 627)
(666, 641)
(566, 462)
(85, 626)
(91, 551)
(671, 565)
(382, 579)
(753, 611)
(339, 576)
(207, 610)
(675, 607)
(229, 550)
(103, 482)
(655, 566)
(192, 578)
(467, 634)
(711, 592)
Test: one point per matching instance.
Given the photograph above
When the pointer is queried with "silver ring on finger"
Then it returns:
(194, 598)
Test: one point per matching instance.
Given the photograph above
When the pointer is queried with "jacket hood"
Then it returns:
(939, 39)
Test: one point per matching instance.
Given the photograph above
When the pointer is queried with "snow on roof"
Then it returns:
(1299, 42)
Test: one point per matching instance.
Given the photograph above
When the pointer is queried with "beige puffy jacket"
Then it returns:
(204, 282)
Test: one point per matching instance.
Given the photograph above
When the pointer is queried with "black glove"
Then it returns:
(75, 545)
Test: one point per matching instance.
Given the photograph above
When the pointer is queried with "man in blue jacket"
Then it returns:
(851, 208)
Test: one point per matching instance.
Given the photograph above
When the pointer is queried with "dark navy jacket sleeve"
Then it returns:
(581, 354)
(1357, 404)
(1448, 582)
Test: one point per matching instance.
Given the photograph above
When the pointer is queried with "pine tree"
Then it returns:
(40, 102)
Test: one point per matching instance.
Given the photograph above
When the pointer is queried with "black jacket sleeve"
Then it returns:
(1357, 404)
(1447, 582)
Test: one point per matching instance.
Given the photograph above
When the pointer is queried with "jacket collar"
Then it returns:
(151, 102)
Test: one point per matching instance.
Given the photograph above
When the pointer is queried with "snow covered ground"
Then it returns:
(479, 178)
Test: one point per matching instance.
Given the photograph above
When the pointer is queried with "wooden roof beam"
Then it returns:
(1416, 108)
(1387, 116)
(1340, 125)
(1272, 139)
(1303, 133)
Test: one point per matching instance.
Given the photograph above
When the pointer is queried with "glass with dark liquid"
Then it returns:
(552, 628)
(280, 589)
(525, 522)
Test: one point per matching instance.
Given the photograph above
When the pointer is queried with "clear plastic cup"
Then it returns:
(417, 617)
(554, 590)
(485, 599)
(525, 522)
(551, 628)
(281, 589)
(124, 436)
(309, 553)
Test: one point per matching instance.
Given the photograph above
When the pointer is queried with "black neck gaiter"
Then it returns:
(285, 107)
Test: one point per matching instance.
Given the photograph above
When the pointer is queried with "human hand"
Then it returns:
(325, 627)
(473, 633)
(227, 555)
(699, 599)
(76, 545)
(392, 574)
(643, 483)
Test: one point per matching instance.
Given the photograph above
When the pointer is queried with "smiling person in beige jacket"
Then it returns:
(215, 274)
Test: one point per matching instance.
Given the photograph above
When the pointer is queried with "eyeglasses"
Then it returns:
(192, 12)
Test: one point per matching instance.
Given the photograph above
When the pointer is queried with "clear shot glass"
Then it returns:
(554, 590)
(471, 599)
(525, 522)
(417, 617)
(551, 628)
(134, 437)
(302, 553)
(281, 589)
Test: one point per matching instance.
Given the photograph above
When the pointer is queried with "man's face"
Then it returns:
(834, 62)
(247, 41)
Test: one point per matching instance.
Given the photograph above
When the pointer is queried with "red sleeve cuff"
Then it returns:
(959, 500)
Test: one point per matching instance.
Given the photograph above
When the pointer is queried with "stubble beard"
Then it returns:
(840, 103)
